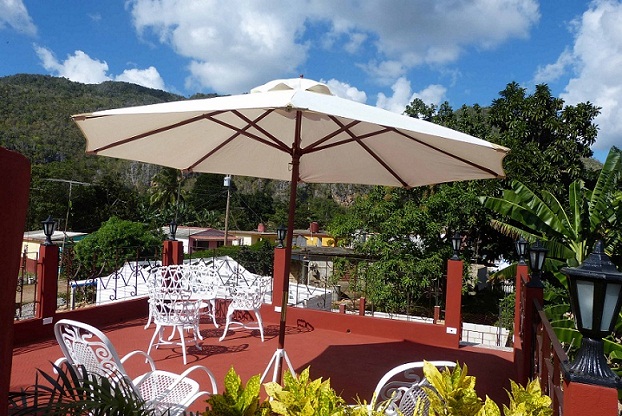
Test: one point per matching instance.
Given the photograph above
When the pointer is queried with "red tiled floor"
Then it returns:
(353, 362)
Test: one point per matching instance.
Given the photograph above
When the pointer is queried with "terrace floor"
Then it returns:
(353, 362)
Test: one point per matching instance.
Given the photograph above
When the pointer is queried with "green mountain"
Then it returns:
(35, 112)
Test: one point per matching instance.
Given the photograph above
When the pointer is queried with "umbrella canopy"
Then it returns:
(294, 130)
(261, 134)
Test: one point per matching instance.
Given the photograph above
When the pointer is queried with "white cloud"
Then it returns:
(431, 32)
(402, 96)
(344, 90)
(149, 77)
(234, 46)
(552, 72)
(80, 67)
(596, 59)
(13, 14)
(231, 46)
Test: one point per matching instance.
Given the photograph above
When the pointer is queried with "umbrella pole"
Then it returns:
(280, 354)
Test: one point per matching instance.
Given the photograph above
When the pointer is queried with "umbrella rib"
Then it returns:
(461, 159)
(313, 147)
(152, 132)
(253, 123)
(359, 139)
(242, 132)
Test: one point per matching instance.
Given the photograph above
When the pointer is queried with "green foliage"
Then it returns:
(547, 138)
(115, 242)
(237, 400)
(257, 258)
(527, 401)
(569, 232)
(77, 392)
(454, 393)
(304, 397)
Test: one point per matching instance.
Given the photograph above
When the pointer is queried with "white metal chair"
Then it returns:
(171, 306)
(247, 298)
(400, 388)
(163, 391)
(204, 287)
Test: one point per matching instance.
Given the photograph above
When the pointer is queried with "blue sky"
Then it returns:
(383, 53)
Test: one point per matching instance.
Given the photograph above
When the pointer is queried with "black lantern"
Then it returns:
(537, 255)
(172, 230)
(595, 297)
(281, 233)
(521, 249)
(456, 240)
(48, 229)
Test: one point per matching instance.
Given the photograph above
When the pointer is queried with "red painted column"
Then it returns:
(525, 370)
(586, 399)
(15, 172)
(522, 274)
(453, 299)
(172, 252)
(47, 289)
(521, 270)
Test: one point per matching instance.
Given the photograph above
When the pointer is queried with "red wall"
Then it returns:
(15, 173)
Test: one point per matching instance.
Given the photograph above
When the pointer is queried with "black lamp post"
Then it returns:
(48, 229)
(521, 249)
(281, 233)
(172, 230)
(455, 244)
(537, 255)
(595, 297)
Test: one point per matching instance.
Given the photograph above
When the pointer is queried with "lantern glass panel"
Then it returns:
(611, 300)
(585, 296)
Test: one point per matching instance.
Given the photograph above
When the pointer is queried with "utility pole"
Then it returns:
(71, 183)
(227, 183)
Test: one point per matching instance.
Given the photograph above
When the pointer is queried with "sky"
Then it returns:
(383, 53)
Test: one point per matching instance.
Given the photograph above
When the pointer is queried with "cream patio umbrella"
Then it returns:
(294, 130)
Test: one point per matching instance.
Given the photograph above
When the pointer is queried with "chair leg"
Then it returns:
(230, 311)
(155, 333)
(260, 323)
(212, 311)
(149, 318)
(180, 329)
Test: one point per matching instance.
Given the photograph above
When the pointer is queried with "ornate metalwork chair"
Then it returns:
(247, 298)
(400, 388)
(172, 305)
(163, 391)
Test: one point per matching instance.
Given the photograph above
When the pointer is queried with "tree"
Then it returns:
(548, 140)
(165, 188)
(115, 242)
(402, 238)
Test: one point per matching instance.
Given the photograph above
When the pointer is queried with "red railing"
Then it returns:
(549, 360)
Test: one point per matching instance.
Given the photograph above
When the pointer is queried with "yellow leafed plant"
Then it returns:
(453, 393)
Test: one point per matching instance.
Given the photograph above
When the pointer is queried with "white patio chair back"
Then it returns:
(247, 298)
(83, 346)
(162, 391)
(400, 388)
(171, 306)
